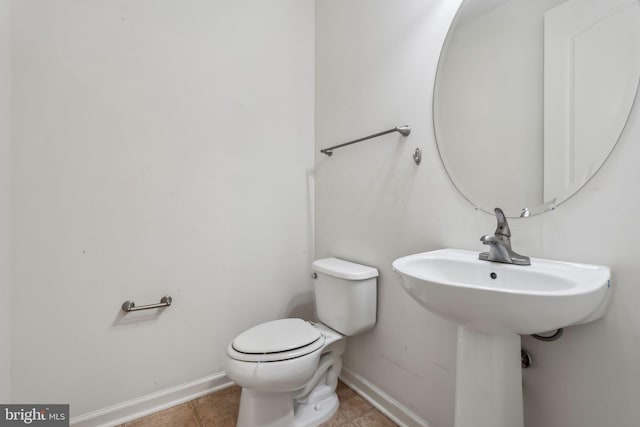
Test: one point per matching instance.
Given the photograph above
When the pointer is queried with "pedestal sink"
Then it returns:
(492, 303)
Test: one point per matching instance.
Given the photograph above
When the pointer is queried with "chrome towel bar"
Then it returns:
(402, 130)
(129, 306)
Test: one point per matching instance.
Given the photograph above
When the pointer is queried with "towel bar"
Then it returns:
(402, 130)
(129, 306)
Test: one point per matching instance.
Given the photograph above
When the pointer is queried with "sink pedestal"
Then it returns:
(488, 380)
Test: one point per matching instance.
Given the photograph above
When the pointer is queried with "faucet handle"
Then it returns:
(502, 229)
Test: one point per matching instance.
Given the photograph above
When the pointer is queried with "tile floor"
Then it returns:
(220, 409)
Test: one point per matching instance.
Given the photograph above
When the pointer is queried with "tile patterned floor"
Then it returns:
(220, 410)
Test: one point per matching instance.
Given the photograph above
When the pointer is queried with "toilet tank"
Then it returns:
(346, 295)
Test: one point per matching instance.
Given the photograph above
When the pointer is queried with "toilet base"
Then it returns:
(258, 409)
(325, 404)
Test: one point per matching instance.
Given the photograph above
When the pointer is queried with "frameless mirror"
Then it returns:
(531, 97)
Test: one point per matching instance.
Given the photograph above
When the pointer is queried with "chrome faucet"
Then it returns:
(500, 244)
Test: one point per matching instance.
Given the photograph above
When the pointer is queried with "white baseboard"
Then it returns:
(150, 403)
(384, 403)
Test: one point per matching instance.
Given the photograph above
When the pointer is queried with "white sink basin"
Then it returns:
(493, 304)
(495, 297)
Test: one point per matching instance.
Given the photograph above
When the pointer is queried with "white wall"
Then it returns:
(159, 147)
(374, 204)
(5, 197)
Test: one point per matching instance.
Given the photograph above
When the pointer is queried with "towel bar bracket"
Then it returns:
(417, 156)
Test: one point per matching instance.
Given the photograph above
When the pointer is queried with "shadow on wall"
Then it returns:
(302, 305)
(122, 318)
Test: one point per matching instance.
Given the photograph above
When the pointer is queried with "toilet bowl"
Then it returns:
(288, 369)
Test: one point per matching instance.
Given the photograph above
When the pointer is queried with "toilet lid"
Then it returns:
(276, 336)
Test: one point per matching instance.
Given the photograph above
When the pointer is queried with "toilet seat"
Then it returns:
(277, 340)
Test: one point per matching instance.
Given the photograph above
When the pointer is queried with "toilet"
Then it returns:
(288, 369)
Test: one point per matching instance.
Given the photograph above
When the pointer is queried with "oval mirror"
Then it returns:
(531, 97)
